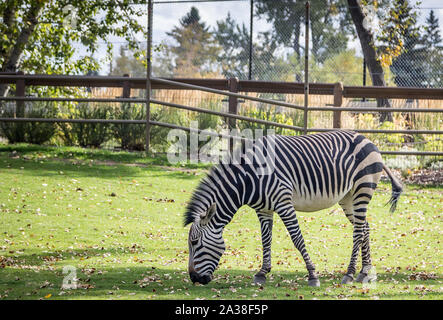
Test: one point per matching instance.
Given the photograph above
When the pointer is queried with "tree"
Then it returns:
(267, 62)
(196, 48)
(234, 41)
(286, 17)
(381, 37)
(367, 39)
(344, 67)
(432, 42)
(43, 36)
(409, 68)
(234, 56)
(331, 24)
(127, 63)
(432, 35)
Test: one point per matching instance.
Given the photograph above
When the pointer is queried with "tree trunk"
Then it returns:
(12, 58)
(374, 66)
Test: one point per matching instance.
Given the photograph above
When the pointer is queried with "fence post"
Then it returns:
(305, 114)
(148, 76)
(126, 88)
(20, 88)
(233, 107)
(338, 101)
(251, 36)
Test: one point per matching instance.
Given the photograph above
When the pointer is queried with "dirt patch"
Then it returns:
(425, 177)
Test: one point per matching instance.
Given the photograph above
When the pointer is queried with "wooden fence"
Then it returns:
(228, 87)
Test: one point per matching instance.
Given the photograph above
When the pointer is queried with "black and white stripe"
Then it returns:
(305, 173)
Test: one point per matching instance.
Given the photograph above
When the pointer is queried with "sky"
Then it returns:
(167, 15)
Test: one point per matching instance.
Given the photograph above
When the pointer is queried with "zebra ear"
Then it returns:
(206, 217)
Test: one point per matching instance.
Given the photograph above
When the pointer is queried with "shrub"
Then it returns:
(159, 135)
(29, 132)
(268, 114)
(208, 121)
(131, 136)
(92, 134)
(87, 134)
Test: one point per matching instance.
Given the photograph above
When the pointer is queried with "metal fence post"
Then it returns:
(305, 115)
(148, 76)
(126, 88)
(338, 101)
(20, 88)
(364, 76)
(233, 106)
(251, 35)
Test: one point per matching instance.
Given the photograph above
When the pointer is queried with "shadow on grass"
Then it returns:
(73, 153)
(50, 168)
(144, 281)
(85, 154)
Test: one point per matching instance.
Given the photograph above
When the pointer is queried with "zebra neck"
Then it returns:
(225, 192)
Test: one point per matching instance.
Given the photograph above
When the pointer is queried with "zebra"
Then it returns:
(310, 173)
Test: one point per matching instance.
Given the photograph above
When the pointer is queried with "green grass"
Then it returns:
(76, 154)
(120, 227)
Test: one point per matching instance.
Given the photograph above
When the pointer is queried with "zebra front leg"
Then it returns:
(266, 222)
(291, 223)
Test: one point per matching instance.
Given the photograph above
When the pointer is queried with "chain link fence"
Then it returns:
(257, 40)
(264, 40)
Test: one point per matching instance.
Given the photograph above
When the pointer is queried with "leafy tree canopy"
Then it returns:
(195, 48)
(44, 36)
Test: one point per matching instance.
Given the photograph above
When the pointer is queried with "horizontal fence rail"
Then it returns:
(225, 114)
(229, 94)
(268, 101)
(116, 121)
(223, 84)
(229, 88)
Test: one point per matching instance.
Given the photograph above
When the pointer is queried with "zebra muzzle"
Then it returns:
(195, 277)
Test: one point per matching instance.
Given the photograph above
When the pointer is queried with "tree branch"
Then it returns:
(30, 22)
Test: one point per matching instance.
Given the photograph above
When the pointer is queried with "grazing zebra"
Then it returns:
(310, 173)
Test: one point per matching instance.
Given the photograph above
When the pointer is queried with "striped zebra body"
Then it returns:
(303, 173)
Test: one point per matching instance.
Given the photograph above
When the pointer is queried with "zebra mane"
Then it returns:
(196, 201)
(204, 194)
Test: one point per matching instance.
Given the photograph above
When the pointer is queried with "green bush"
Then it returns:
(87, 134)
(92, 134)
(268, 114)
(29, 132)
(159, 135)
(131, 136)
(208, 121)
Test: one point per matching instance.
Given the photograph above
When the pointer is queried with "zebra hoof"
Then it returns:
(314, 282)
(366, 278)
(259, 278)
(347, 279)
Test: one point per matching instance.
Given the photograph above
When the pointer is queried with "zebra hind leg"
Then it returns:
(266, 223)
(356, 213)
(291, 223)
(367, 273)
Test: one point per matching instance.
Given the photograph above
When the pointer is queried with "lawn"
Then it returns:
(114, 220)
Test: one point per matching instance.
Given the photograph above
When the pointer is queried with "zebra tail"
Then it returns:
(397, 189)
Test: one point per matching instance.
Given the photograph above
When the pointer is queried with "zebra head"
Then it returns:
(206, 246)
